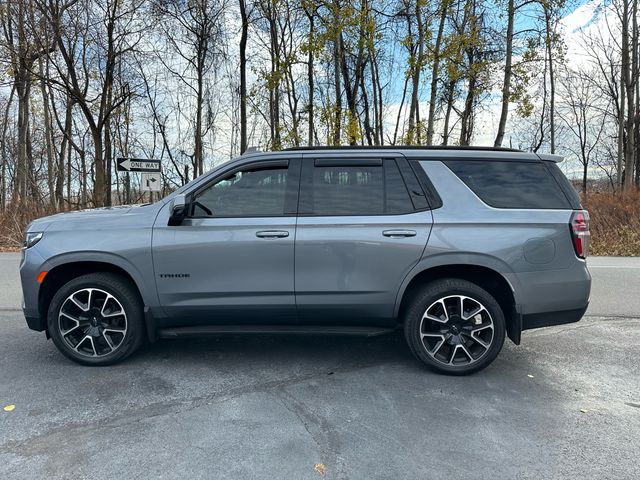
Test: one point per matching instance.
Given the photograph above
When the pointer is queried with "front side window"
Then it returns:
(246, 193)
(357, 190)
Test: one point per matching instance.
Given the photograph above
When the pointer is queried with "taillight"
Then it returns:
(580, 233)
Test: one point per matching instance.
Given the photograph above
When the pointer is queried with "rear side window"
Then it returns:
(511, 184)
(356, 190)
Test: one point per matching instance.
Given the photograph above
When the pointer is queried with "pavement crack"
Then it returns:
(318, 428)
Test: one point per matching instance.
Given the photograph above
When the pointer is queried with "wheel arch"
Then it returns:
(485, 274)
(62, 269)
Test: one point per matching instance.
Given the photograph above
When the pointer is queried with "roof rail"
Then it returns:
(403, 147)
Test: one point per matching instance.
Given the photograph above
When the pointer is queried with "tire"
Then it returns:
(448, 341)
(97, 319)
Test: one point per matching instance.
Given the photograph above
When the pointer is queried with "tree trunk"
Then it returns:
(337, 55)
(99, 184)
(48, 134)
(69, 173)
(367, 117)
(404, 95)
(23, 89)
(377, 101)
(413, 134)
(274, 82)
(627, 73)
(66, 143)
(621, 141)
(447, 116)
(435, 73)
(506, 86)
(637, 129)
(108, 155)
(352, 86)
(466, 130)
(634, 114)
(310, 74)
(243, 77)
(84, 194)
(552, 79)
(3, 153)
(198, 150)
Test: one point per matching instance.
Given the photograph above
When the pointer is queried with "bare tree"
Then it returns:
(195, 33)
(581, 114)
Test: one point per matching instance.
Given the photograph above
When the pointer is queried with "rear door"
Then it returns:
(360, 230)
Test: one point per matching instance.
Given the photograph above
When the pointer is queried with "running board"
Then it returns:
(182, 332)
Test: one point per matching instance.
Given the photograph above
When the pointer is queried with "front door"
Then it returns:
(360, 231)
(232, 259)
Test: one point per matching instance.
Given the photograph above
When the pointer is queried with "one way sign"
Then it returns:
(137, 165)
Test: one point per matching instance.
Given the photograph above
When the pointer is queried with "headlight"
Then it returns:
(31, 238)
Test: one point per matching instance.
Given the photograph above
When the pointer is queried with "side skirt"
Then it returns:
(214, 330)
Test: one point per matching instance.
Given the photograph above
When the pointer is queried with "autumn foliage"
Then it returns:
(615, 223)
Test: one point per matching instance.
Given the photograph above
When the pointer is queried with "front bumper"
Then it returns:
(32, 264)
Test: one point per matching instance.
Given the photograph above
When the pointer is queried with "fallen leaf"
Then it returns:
(9, 408)
(320, 469)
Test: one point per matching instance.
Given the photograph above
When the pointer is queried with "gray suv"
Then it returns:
(459, 247)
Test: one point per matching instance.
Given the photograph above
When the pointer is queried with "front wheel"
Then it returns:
(96, 319)
(454, 327)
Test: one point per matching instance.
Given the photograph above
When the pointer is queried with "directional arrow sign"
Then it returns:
(151, 182)
(137, 165)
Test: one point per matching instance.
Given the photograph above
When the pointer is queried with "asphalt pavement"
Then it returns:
(564, 404)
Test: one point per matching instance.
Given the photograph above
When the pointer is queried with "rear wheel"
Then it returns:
(96, 319)
(454, 327)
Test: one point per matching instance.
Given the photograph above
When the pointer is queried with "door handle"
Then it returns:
(272, 234)
(399, 233)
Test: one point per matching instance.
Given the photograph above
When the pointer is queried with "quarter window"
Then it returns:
(510, 184)
(247, 193)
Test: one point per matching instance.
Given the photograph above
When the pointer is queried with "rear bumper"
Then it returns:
(544, 291)
(549, 297)
(549, 319)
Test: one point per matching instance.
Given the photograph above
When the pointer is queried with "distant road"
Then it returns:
(616, 286)
(615, 291)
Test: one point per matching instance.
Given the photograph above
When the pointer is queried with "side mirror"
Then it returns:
(178, 210)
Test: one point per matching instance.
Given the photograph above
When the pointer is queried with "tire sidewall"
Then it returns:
(124, 292)
(436, 290)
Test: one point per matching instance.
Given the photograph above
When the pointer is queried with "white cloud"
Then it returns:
(580, 17)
